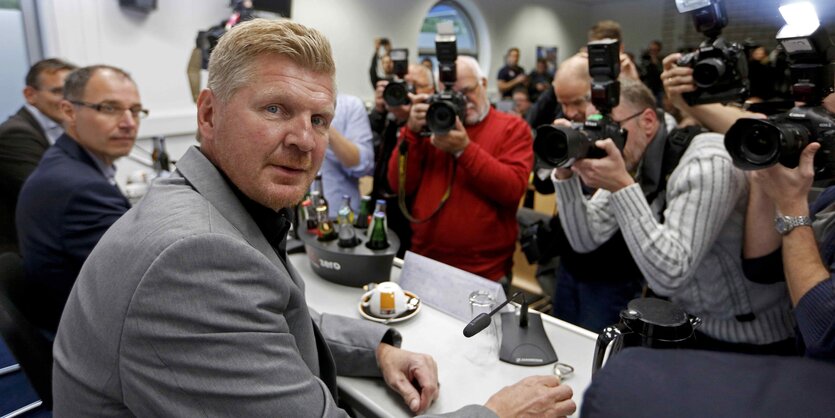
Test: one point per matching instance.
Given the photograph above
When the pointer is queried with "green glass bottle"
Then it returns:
(378, 239)
(362, 219)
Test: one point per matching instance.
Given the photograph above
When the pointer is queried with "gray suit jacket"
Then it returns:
(184, 309)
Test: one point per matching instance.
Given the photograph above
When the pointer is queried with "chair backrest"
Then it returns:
(31, 348)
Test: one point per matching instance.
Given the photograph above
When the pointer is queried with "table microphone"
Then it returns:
(524, 341)
(482, 320)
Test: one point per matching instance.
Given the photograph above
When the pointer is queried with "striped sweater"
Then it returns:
(693, 256)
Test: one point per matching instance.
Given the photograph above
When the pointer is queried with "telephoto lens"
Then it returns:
(708, 72)
(559, 146)
(443, 109)
(755, 144)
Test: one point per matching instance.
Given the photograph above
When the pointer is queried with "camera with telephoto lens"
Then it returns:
(447, 105)
(559, 146)
(755, 144)
(397, 90)
(720, 67)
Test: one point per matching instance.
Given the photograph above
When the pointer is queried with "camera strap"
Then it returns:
(401, 185)
(676, 143)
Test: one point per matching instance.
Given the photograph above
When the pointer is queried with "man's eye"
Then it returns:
(272, 109)
(106, 108)
(319, 121)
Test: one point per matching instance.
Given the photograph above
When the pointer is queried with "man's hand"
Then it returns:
(607, 173)
(454, 141)
(535, 396)
(417, 114)
(413, 375)
(677, 80)
(379, 103)
(788, 188)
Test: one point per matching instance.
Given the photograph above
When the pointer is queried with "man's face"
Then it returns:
(419, 78)
(513, 58)
(388, 64)
(270, 137)
(636, 137)
(522, 102)
(472, 87)
(47, 96)
(108, 134)
(654, 48)
(573, 96)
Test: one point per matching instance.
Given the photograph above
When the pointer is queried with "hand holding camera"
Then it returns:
(417, 113)
(677, 80)
(454, 140)
(788, 188)
(608, 173)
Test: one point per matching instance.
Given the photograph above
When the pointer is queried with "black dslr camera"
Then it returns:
(558, 146)
(754, 144)
(397, 90)
(445, 106)
(720, 67)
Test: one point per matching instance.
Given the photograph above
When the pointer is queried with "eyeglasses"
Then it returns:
(137, 112)
(622, 121)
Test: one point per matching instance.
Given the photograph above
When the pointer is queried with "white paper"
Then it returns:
(444, 287)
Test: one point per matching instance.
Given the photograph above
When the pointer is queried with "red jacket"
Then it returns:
(476, 229)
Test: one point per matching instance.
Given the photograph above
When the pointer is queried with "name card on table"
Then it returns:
(444, 287)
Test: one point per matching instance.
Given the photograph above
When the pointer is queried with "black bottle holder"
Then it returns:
(352, 266)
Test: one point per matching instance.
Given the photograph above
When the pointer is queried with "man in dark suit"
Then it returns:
(71, 198)
(26, 135)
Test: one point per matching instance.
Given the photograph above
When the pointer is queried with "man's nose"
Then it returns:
(300, 133)
(127, 120)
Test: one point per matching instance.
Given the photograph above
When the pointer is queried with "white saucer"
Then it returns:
(365, 313)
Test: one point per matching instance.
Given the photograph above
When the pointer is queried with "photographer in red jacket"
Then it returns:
(465, 185)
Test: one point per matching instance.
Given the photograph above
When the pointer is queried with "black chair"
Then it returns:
(31, 348)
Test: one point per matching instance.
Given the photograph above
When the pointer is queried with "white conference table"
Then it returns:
(464, 380)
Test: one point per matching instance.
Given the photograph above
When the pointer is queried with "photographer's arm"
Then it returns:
(588, 223)
(353, 147)
(701, 194)
(761, 259)
(715, 117)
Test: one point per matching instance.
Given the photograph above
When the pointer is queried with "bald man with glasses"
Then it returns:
(71, 198)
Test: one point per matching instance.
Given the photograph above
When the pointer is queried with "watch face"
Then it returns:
(781, 225)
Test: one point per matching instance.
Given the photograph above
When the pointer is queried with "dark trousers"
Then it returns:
(593, 305)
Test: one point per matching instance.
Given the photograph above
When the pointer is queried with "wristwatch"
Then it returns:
(784, 224)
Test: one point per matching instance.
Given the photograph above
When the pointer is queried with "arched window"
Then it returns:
(464, 30)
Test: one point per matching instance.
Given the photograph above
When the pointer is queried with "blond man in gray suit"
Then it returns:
(188, 307)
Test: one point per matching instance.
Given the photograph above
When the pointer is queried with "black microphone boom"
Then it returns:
(482, 320)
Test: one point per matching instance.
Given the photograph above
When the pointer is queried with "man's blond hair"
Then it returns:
(231, 62)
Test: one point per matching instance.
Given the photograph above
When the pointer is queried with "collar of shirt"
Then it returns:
(108, 171)
(274, 225)
(52, 129)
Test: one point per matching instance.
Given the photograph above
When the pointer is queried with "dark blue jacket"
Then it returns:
(64, 207)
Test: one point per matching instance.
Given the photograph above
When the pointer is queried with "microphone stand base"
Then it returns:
(527, 346)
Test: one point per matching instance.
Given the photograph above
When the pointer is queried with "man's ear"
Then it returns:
(29, 94)
(649, 121)
(484, 82)
(206, 103)
(68, 110)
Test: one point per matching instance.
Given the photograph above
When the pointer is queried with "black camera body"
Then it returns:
(720, 71)
(720, 67)
(397, 90)
(445, 106)
(755, 144)
(559, 146)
